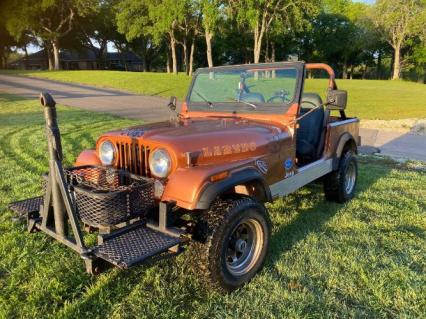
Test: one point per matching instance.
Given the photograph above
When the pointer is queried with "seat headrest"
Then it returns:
(312, 99)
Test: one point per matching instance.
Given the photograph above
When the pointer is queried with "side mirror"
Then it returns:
(337, 100)
(172, 103)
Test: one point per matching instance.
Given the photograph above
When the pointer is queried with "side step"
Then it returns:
(24, 207)
(134, 246)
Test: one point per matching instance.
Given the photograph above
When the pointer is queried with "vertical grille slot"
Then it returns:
(133, 157)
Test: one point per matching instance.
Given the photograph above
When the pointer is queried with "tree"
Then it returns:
(6, 39)
(96, 29)
(158, 18)
(211, 12)
(189, 29)
(166, 16)
(397, 20)
(48, 19)
(6, 42)
(260, 14)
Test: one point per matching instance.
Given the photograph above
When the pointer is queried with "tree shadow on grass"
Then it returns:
(312, 214)
(312, 217)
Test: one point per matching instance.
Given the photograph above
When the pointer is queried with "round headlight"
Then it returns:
(107, 153)
(160, 163)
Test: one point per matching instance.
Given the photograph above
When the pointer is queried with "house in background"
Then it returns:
(82, 60)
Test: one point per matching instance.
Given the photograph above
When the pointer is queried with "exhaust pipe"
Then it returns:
(55, 154)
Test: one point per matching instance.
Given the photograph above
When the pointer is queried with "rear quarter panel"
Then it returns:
(337, 132)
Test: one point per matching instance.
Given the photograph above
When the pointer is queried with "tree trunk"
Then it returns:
(185, 55)
(267, 51)
(191, 57)
(144, 68)
(257, 48)
(168, 67)
(55, 46)
(345, 70)
(209, 36)
(49, 55)
(364, 72)
(273, 51)
(397, 62)
(379, 66)
(174, 57)
(259, 32)
(2, 65)
(26, 57)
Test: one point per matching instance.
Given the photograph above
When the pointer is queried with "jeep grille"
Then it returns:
(133, 157)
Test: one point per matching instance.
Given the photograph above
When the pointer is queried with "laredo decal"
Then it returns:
(229, 149)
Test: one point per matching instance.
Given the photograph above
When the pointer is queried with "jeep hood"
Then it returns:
(207, 140)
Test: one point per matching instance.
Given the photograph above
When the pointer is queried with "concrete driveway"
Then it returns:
(153, 108)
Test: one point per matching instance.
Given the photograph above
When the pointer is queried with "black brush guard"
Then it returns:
(133, 242)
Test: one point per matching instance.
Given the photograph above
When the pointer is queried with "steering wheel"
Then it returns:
(281, 95)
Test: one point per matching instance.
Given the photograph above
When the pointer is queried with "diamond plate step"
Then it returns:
(135, 246)
(26, 206)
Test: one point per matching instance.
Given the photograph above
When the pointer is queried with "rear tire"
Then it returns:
(339, 186)
(233, 239)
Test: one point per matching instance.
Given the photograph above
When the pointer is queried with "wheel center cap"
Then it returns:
(240, 245)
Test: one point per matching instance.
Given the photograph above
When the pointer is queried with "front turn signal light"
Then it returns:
(219, 176)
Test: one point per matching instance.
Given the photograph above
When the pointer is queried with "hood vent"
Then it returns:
(133, 158)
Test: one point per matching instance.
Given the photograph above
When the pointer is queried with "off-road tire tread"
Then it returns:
(335, 181)
(203, 254)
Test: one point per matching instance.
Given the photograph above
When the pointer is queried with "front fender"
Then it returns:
(213, 190)
(88, 157)
(191, 187)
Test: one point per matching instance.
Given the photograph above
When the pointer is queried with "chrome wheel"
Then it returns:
(350, 178)
(244, 247)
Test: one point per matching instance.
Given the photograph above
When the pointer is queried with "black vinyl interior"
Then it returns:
(310, 131)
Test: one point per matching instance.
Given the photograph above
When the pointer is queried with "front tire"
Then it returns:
(234, 236)
(339, 186)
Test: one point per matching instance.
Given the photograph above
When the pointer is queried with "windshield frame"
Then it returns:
(239, 107)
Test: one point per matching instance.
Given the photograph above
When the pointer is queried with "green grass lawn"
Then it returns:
(362, 259)
(368, 99)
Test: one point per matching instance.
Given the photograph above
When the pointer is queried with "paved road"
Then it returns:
(153, 108)
(124, 104)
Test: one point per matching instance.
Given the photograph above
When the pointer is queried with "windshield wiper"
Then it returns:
(247, 103)
(210, 104)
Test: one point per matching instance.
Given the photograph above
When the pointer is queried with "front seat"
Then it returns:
(310, 131)
(247, 96)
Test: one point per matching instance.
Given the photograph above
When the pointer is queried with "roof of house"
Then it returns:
(82, 55)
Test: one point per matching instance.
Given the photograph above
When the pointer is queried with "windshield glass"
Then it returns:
(244, 90)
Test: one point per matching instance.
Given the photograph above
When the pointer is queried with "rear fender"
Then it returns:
(346, 141)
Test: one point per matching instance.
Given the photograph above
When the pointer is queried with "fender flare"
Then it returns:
(212, 190)
(343, 140)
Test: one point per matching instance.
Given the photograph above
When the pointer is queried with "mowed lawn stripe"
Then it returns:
(362, 259)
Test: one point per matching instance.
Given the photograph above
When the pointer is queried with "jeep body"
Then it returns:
(245, 135)
(231, 147)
